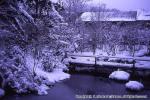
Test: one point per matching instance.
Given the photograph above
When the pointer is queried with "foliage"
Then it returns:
(31, 28)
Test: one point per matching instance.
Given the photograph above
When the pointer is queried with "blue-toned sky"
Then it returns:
(125, 4)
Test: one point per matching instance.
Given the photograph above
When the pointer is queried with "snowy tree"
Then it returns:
(28, 37)
(97, 25)
(73, 8)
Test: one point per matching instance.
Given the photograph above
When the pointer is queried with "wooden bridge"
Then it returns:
(133, 66)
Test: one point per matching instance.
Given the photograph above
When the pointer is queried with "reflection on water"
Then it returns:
(81, 84)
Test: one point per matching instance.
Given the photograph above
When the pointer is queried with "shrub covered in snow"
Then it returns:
(120, 75)
(17, 75)
(134, 85)
(2, 92)
(42, 89)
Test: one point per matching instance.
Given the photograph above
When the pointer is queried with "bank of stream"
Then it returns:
(83, 84)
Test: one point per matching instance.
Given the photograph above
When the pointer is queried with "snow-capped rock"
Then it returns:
(120, 75)
(2, 92)
(134, 85)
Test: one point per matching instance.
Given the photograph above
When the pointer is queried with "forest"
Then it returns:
(36, 37)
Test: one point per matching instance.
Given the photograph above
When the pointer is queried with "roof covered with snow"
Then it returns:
(54, 1)
(108, 16)
(115, 16)
(143, 15)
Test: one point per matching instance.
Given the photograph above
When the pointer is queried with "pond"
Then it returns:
(82, 84)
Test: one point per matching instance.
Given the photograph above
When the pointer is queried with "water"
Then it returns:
(82, 84)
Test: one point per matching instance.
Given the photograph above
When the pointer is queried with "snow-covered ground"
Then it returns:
(120, 75)
(91, 61)
(83, 60)
(121, 59)
(134, 85)
(55, 76)
(43, 89)
(51, 77)
(113, 63)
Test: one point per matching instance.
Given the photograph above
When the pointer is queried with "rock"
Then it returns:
(134, 85)
(120, 75)
(2, 92)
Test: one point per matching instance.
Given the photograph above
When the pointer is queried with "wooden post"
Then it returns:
(133, 69)
(95, 60)
(95, 64)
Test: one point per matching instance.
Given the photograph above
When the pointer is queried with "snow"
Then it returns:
(109, 16)
(122, 59)
(104, 16)
(55, 76)
(21, 7)
(55, 14)
(76, 45)
(124, 53)
(84, 53)
(113, 59)
(91, 61)
(113, 64)
(143, 15)
(143, 64)
(120, 19)
(134, 85)
(30, 62)
(63, 42)
(141, 52)
(83, 60)
(51, 77)
(42, 89)
(120, 75)
(54, 1)
(2, 92)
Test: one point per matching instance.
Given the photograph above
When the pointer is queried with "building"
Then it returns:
(115, 16)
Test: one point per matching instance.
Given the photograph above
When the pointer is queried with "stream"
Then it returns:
(82, 84)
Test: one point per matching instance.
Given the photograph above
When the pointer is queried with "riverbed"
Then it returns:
(83, 84)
